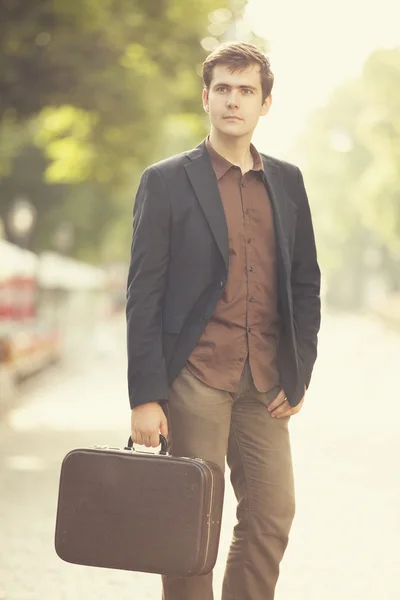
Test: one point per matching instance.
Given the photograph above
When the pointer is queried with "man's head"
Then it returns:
(237, 87)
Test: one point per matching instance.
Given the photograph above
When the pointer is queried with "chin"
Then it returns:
(230, 128)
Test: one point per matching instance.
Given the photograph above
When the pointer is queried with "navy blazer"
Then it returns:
(179, 267)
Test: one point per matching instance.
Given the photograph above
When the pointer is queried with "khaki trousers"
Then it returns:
(212, 424)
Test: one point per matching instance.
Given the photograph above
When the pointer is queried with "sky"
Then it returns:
(315, 45)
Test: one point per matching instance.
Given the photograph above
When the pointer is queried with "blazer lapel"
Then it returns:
(283, 208)
(204, 183)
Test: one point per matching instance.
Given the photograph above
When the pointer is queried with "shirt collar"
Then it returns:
(221, 165)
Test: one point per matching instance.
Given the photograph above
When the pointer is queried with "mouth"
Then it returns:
(232, 118)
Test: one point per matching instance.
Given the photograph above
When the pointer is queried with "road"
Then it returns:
(345, 542)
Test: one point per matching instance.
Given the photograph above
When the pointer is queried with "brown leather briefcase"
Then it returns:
(139, 511)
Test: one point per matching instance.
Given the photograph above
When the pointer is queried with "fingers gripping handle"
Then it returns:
(163, 442)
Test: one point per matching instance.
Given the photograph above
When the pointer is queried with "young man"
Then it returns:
(223, 312)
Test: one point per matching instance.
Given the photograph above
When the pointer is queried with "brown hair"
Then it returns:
(237, 56)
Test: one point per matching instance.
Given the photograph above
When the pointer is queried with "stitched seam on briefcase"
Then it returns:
(209, 517)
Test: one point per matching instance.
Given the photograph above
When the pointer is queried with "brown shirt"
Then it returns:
(245, 323)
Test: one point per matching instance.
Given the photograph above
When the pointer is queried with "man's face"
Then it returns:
(234, 100)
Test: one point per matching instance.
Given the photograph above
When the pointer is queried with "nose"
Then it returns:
(233, 100)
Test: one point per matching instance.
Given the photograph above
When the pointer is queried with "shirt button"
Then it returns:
(251, 269)
(242, 184)
(246, 212)
(248, 240)
(241, 359)
(251, 299)
(249, 329)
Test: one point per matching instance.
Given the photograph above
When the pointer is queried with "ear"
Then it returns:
(205, 99)
(266, 105)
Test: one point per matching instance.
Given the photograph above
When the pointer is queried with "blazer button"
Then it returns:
(221, 284)
(204, 319)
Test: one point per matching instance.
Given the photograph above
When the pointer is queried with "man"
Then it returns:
(223, 312)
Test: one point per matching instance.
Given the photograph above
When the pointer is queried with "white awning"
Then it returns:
(16, 261)
(56, 271)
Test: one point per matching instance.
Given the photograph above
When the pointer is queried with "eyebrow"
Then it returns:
(247, 86)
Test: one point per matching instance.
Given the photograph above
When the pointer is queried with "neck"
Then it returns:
(234, 149)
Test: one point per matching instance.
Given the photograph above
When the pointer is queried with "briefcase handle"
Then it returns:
(163, 442)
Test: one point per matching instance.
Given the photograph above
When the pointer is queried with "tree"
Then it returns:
(97, 87)
(379, 126)
(352, 169)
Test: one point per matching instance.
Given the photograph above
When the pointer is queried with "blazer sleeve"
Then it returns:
(147, 375)
(305, 284)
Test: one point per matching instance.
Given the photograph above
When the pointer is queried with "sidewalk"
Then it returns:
(345, 539)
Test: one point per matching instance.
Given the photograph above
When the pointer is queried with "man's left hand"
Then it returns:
(280, 407)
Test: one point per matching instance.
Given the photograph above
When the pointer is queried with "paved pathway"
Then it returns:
(345, 543)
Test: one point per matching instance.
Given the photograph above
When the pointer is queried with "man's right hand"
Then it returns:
(147, 422)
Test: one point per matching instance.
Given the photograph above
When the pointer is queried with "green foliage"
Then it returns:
(101, 89)
(124, 63)
(353, 175)
(379, 125)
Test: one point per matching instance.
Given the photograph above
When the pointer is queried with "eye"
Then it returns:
(221, 88)
(247, 91)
